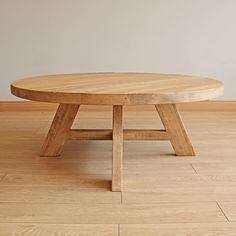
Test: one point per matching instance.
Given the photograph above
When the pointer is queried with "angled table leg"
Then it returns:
(117, 148)
(57, 134)
(175, 129)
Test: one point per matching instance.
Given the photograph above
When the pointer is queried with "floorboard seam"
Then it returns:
(193, 168)
(118, 229)
(84, 223)
(222, 211)
(3, 177)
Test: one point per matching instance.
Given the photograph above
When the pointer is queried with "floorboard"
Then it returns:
(110, 213)
(196, 229)
(15, 229)
(229, 209)
(163, 194)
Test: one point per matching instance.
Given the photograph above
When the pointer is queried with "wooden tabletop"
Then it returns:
(117, 88)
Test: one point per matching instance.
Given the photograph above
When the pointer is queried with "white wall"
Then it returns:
(175, 36)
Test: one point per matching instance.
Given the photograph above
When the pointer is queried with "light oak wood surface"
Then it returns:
(60, 130)
(60, 126)
(229, 208)
(196, 229)
(162, 194)
(35, 229)
(110, 213)
(117, 149)
(117, 88)
(207, 106)
(106, 134)
(175, 129)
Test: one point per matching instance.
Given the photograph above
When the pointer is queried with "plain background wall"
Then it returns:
(174, 36)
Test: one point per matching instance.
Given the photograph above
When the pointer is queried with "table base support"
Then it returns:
(60, 131)
(128, 134)
(174, 127)
(117, 149)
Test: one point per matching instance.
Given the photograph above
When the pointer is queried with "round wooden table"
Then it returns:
(117, 89)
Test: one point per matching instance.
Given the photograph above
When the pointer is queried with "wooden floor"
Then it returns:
(163, 195)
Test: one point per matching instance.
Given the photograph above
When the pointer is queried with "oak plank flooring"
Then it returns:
(196, 229)
(57, 189)
(179, 188)
(16, 229)
(58, 194)
(229, 209)
(163, 194)
(215, 168)
(77, 181)
(110, 213)
(84, 162)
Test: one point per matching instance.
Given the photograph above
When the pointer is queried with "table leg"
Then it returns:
(117, 148)
(57, 134)
(175, 129)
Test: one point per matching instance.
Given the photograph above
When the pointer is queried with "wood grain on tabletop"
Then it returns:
(117, 88)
